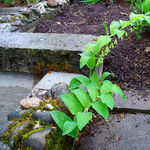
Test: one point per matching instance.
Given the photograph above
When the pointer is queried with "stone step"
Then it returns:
(42, 52)
(8, 11)
(52, 78)
(121, 132)
(136, 101)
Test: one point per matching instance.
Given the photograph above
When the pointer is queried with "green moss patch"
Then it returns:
(54, 140)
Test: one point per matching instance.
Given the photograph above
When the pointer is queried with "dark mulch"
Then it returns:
(82, 18)
(129, 61)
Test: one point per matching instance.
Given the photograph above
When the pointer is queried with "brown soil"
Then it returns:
(129, 61)
(82, 18)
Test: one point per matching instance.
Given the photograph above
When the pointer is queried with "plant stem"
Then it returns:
(73, 144)
(90, 73)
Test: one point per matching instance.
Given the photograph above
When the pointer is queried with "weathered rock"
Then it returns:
(49, 106)
(61, 2)
(16, 131)
(30, 102)
(147, 49)
(17, 23)
(4, 146)
(4, 18)
(4, 127)
(39, 8)
(37, 140)
(26, 11)
(17, 114)
(59, 89)
(40, 93)
(44, 116)
(52, 3)
(15, 14)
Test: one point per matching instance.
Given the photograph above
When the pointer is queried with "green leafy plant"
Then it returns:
(90, 1)
(97, 94)
(9, 2)
(97, 91)
(93, 1)
(140, 6)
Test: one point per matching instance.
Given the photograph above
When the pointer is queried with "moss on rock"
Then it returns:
(55, 141)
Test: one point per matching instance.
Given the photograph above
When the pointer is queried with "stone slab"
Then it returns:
(128, 132)
(52, 78)
(40, 52)
(46, 41)
(6, 27)
(136, 102)
(8, 11)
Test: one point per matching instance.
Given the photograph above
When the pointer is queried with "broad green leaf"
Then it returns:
(104, 75)
(106, 87)
(60, 118)
(72, 103)
(74, 133)
(115, 25)
(89, 46)
(87, 58)
(95, 49)
(147, 14)
(119, 33)
(108, 100)
(83, 79)
(82, 96)
(93, 90)
(94, 78)
(102, 41)
(77, 81)
(116, 89)
(124, 24)
(91, 62)
(101, 108)
(69, 126)
(89, 1)
(74, 83)
(147, 18)
(134, 17)
(92, 48)
(83, 119)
